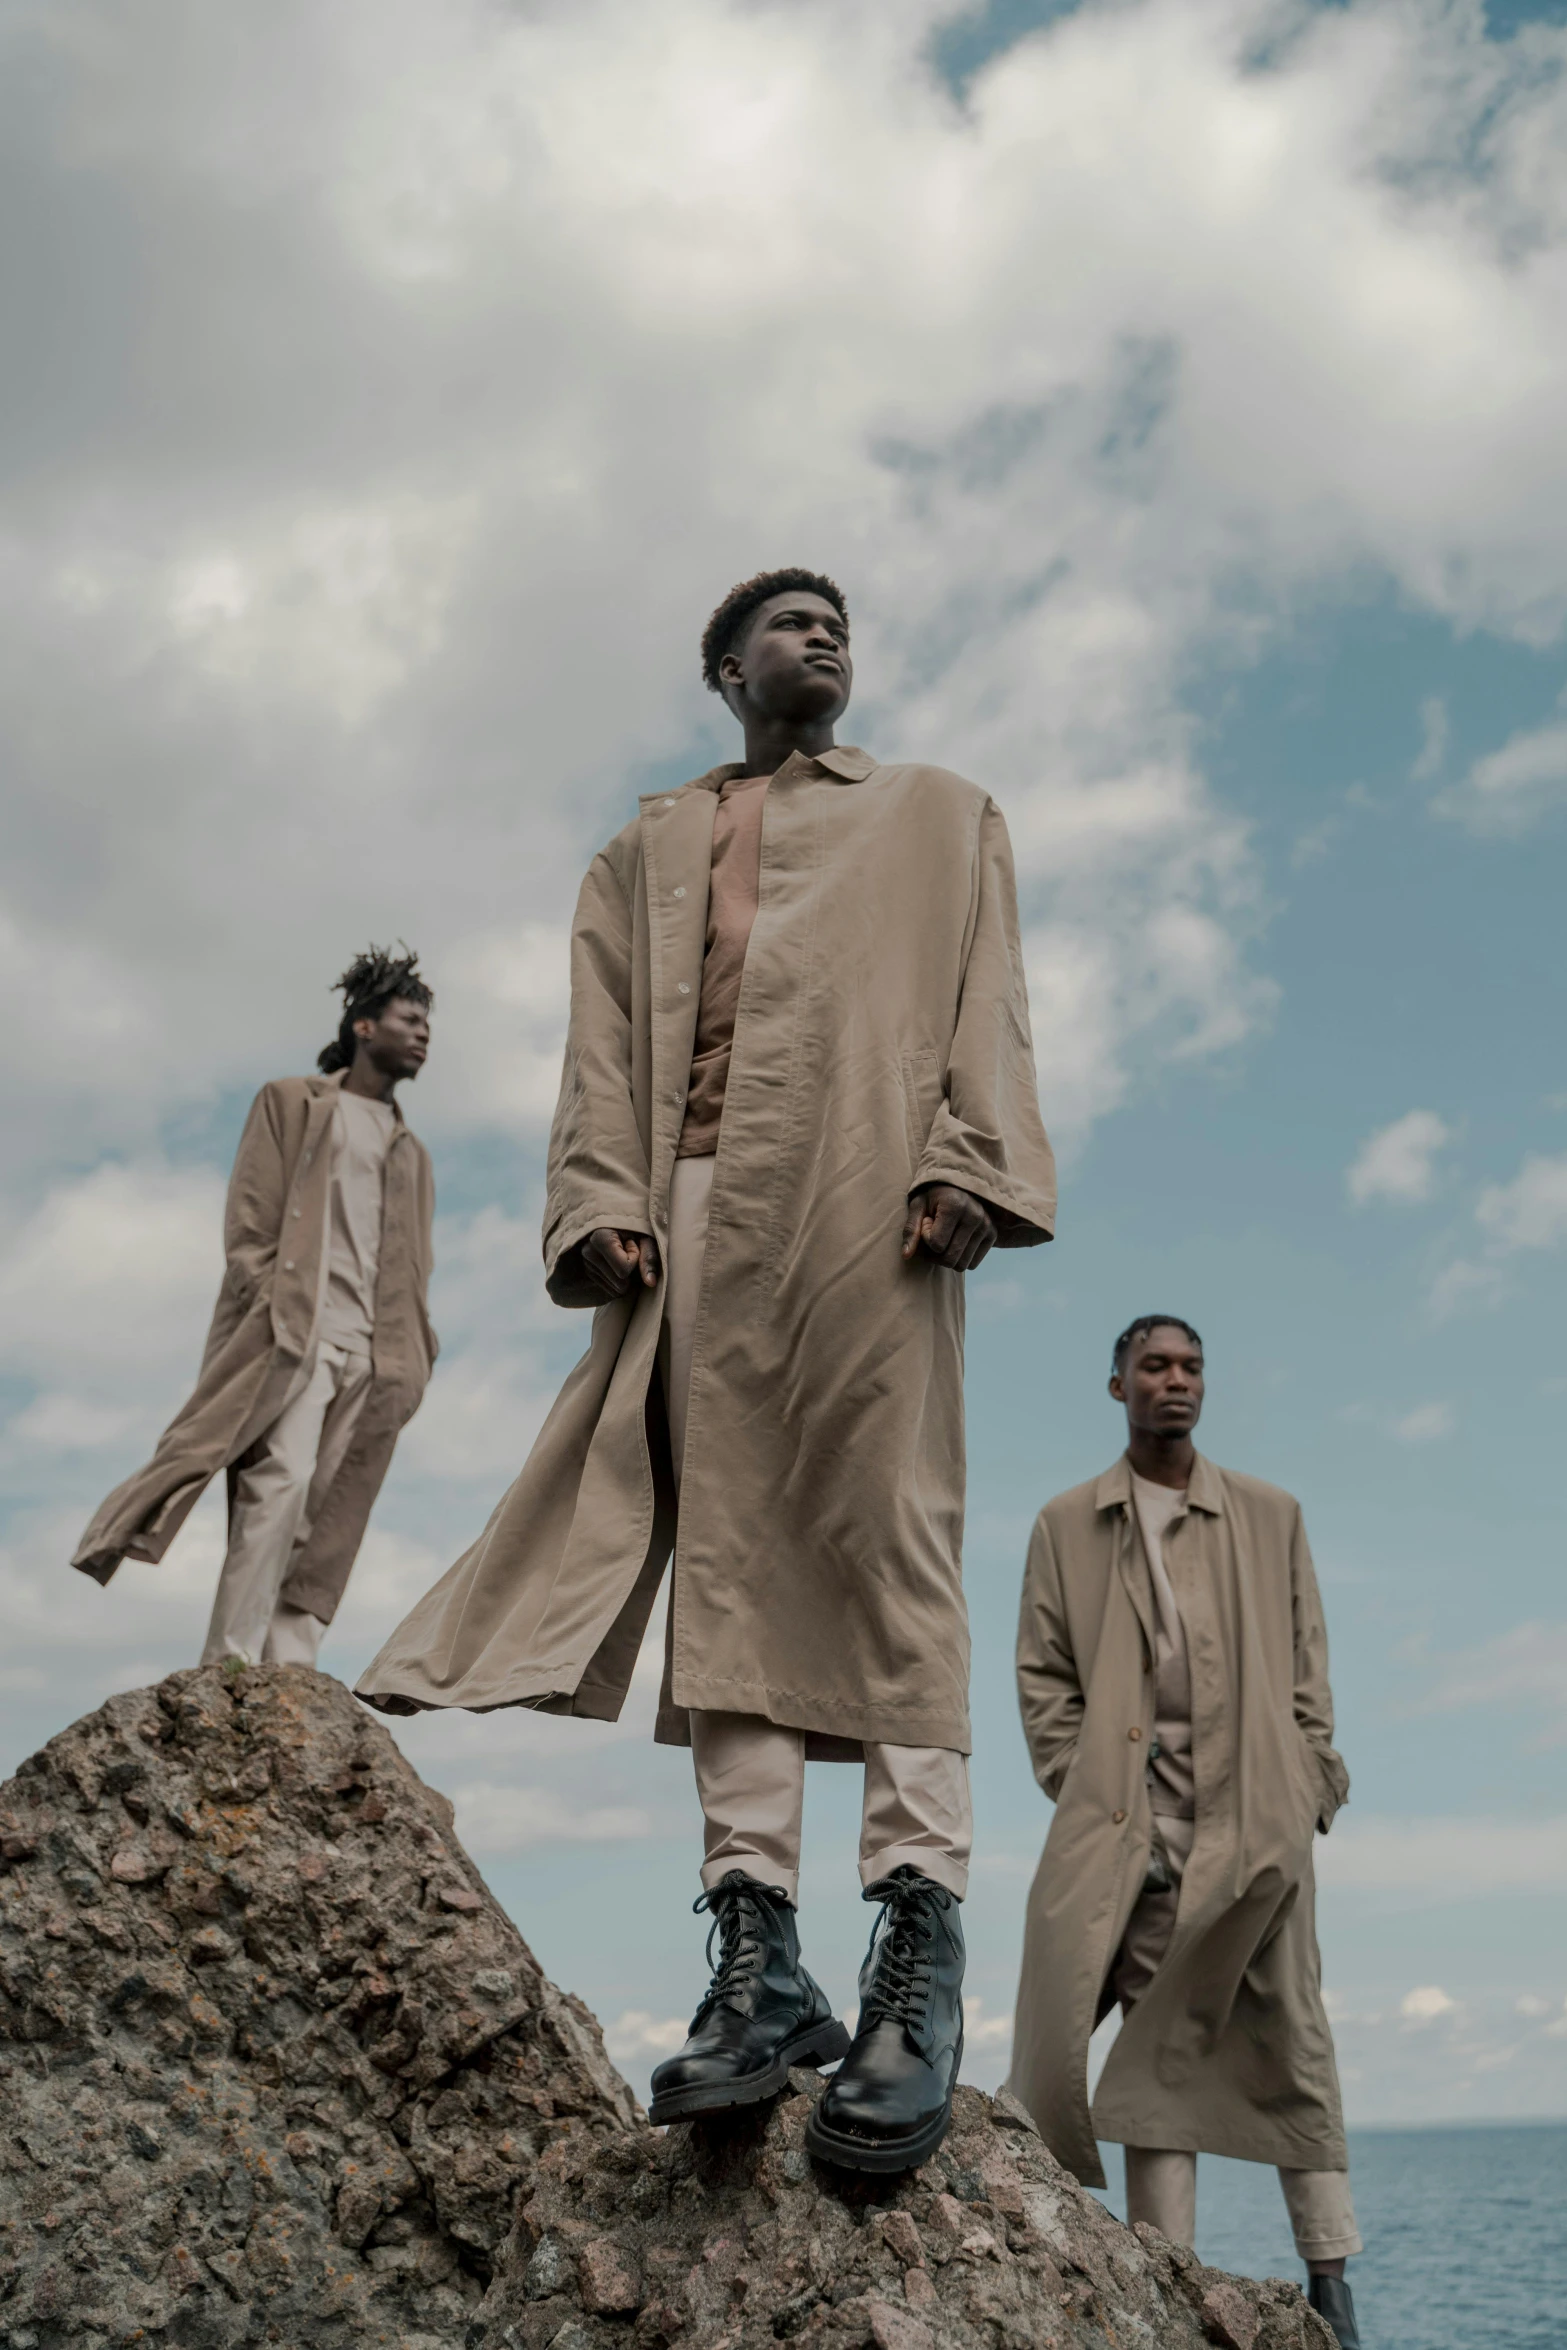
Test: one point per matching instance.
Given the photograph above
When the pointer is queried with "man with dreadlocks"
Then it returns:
(320, 1346)
(1173, 1672)
(798, 1107)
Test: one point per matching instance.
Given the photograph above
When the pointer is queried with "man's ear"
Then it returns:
(1117, 1386)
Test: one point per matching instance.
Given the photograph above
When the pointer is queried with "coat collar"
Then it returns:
(1205, 1492)
(322, 1089)
(844, 762)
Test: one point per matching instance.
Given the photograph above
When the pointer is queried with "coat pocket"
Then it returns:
(922, 1093)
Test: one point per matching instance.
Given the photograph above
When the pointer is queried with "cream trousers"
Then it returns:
(1161, 2181)
(276, 1497)
(750, 1773)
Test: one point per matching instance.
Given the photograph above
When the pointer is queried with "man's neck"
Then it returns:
(366, 1079)
(1162, 1460)
(770, 741)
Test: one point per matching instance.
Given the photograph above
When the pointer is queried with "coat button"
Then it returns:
(684, 986)
(680, 893)
(1134, 1735)
(1117, 1817)
(288, 1264)
(669, 803)
(298, 1212)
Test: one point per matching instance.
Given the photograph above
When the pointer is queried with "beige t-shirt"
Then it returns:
(733, 889)
(1172, 1787)
(362, 1132)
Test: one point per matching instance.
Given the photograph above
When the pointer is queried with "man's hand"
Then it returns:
(950, 1225)
(613, 1260)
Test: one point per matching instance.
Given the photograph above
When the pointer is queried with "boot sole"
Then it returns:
(884, 2156)
(823, 2044)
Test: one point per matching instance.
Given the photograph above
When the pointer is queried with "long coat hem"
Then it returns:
(864, 1725)
(1272, 2145)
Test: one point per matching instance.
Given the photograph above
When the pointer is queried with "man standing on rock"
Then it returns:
(798, 1106)
(320, 1346)
(1173, 1677)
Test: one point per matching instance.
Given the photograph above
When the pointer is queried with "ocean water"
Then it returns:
(1465, 2229)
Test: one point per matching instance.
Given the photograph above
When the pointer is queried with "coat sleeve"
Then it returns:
(1313, 1697)
(253, 1216)
(987, 1136)
(1049, 1693)
(598, 1169)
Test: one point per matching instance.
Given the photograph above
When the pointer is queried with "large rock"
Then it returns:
(725, 2235)
(275, 2068)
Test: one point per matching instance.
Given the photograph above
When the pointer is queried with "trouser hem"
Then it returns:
(940, 1867)
(757, 1865)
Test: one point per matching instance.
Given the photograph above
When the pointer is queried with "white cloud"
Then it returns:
(1439, 1860)
(113, 1276)
(1427, 2004)
(494, 1820)
(1508, 788)
(1526, 1665)
(1529, 1212)
(1398, 1161)
(1426, 1424)
(1434, 732)
(637, 2033)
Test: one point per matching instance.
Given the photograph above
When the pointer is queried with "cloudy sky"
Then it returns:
(1176, 387)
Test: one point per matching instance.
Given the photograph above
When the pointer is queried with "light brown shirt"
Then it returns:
(732, 892)
(1172, 1788)
(362, 1133)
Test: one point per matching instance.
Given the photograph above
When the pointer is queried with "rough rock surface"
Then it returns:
(725, 2235)
(275, 2068)
(274, 2065)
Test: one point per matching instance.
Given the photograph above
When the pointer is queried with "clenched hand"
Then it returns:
(613, 1260)
(950, 1225)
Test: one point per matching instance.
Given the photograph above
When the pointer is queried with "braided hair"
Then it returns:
(1140, 1329)
(727, 625)
(370, 983)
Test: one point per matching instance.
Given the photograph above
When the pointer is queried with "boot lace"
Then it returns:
(736, 1912)
(901, 1939)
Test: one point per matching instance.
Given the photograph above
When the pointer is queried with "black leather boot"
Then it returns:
(888, 2105)
(1332, 2300)
(762, 2012)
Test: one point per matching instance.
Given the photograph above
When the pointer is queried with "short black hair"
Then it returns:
(372, 981)
(1140, 1329)
(728, 622)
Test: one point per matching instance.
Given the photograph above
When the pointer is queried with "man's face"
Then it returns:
(1161, 1383)
(793, 661)
(398, 1042)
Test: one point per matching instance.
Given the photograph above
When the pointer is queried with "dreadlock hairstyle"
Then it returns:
(1140, 1329)
(370, 983)
(727, 625)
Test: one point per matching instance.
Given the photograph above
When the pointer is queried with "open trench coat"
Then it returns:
(263, 1334)
(1228, 2050)
(881, 1043)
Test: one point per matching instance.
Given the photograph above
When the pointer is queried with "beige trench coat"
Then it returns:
(1228, 2050)
(263, 1331)
(881, 1042)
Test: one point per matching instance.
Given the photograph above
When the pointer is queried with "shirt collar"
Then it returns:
(1205, 1491)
